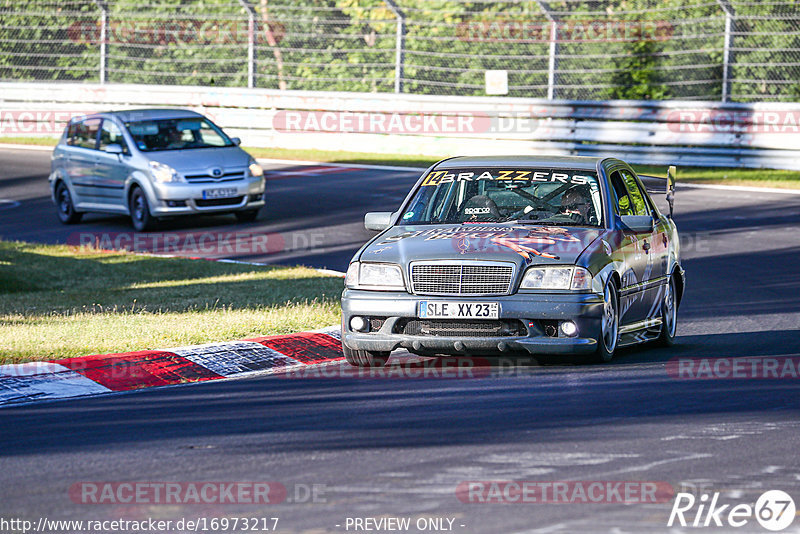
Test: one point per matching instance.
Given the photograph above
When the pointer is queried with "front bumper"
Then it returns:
(584, 309)
(189, 197)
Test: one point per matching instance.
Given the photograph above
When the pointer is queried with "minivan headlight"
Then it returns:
(255, 170)
(164, 173)
(557, 277)
(374, 276)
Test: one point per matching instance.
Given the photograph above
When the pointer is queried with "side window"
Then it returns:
(638, 202)
(84, 133)
(209, 136)
(71, 131)
(110, 134)
(621, 199)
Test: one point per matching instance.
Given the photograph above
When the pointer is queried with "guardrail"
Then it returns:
(668, 132)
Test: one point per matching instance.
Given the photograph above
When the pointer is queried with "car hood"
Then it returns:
(201, 159)
(523, 245)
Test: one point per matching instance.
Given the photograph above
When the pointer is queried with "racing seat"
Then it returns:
(479, 207)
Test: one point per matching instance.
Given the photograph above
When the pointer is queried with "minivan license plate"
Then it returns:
(458, 310)
(219, 193)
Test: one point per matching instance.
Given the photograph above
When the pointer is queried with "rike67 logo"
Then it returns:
(774, 510)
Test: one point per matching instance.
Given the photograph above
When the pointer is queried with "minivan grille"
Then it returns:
(206, 179)
(461, 279)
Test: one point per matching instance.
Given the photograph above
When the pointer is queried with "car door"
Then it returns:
(112, 169)
(645, 251)
(631, 252)
(658, 252)
(81, 159)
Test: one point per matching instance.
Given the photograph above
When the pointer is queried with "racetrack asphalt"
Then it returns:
(400, 447)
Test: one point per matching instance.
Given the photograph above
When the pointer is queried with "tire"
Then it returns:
(64, 206)
(141, 217)
(609, 333)
(246, 215)
(365, 358)
(669, 316)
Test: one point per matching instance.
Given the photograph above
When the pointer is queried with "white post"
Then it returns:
(399, 55)
(726, 51)
(251, 42)
(551, 64)
(552, 55)
(103, 38)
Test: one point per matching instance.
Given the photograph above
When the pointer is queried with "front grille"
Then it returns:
(460, 328)
(207, 203)
(461, 279)
(207, 179)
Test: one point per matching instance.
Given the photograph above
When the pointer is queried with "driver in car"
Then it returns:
(576, 205)
(175, 139)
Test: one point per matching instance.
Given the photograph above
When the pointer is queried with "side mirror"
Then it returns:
(637, 224)
(114, 149)
(672, 175)
(378, 220)
(236, 141)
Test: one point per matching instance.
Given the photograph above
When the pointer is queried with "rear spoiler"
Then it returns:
(656, 185)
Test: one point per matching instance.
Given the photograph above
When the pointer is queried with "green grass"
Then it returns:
(746, 177)
(44, 141)
(60, 301)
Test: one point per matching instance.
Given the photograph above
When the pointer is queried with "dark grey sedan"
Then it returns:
(518, 254)
(152, 163)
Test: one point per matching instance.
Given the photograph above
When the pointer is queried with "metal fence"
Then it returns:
(714, 50)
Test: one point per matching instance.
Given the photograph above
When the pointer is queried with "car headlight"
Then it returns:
(575, 278)
(374, 276)
(256, 171)
(164, 173)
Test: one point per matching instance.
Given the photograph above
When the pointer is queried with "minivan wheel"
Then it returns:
(365, 358)
(64, 206)
(246, 215)
(140, 212)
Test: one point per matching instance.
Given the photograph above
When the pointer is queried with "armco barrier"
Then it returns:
(665, 132)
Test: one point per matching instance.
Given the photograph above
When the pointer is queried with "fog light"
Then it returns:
(176, 203)
(359, 324)
(257, 197)
(568, 328)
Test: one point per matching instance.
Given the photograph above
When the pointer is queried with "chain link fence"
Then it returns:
(712, 50)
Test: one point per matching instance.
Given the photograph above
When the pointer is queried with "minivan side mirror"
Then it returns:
(637, 224)
(236, 141)
(114, 149)
(378, 220)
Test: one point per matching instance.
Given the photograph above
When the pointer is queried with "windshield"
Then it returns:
(541, 196)
(176, 134)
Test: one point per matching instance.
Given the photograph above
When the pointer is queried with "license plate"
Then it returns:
(219, 193)
(458, 310)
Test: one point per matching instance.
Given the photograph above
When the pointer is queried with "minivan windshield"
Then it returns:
(507, 194)
(176, 134)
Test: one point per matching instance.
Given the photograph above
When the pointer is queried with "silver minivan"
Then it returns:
(152, 163)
